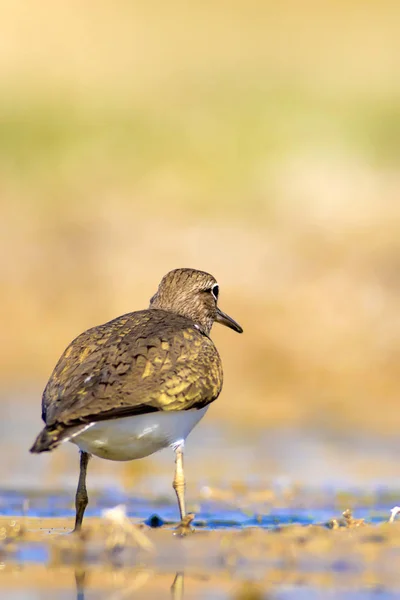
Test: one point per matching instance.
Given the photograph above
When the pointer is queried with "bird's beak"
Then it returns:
(227, 321)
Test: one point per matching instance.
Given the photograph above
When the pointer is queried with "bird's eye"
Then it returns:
(215, 290)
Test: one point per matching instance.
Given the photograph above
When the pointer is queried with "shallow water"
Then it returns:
(287, 553)
(210, 515)
(293, 562)
(264, 503)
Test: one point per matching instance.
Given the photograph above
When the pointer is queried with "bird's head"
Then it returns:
(193, 294)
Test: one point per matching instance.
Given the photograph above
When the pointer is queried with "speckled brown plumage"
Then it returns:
(144, 361)
(159, 359)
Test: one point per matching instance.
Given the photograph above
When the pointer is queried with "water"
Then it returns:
(287, 552)
(264, 503)
(210, 515)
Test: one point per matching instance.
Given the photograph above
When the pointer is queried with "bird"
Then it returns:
(140, 382)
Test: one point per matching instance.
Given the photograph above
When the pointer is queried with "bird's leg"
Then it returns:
(179, 479)
(81, 498)
(179, 487)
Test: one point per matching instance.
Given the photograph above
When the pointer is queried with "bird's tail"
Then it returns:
(49, 438)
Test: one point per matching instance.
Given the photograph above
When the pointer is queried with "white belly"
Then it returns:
(135, 437)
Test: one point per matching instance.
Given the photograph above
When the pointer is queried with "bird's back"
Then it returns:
(138, 363)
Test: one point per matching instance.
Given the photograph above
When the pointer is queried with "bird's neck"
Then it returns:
(200, 320)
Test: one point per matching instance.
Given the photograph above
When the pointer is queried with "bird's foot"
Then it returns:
(80, 534)
(185, 527)
(77, 530)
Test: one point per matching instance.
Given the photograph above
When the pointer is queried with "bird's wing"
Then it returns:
(133, 365)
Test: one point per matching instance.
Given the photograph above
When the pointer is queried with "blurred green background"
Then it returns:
(259, 141)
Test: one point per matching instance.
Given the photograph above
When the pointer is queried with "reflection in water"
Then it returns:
(340, 576)
(80, 578)
(137, 580)
(177, 592)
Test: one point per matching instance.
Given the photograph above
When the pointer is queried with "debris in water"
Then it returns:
(393, 513)
(122, 530)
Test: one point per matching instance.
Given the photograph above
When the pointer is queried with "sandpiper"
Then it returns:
(139, 383)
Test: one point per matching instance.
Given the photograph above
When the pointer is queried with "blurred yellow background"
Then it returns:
(259, 141)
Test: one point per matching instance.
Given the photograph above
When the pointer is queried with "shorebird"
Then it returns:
(139, 383)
